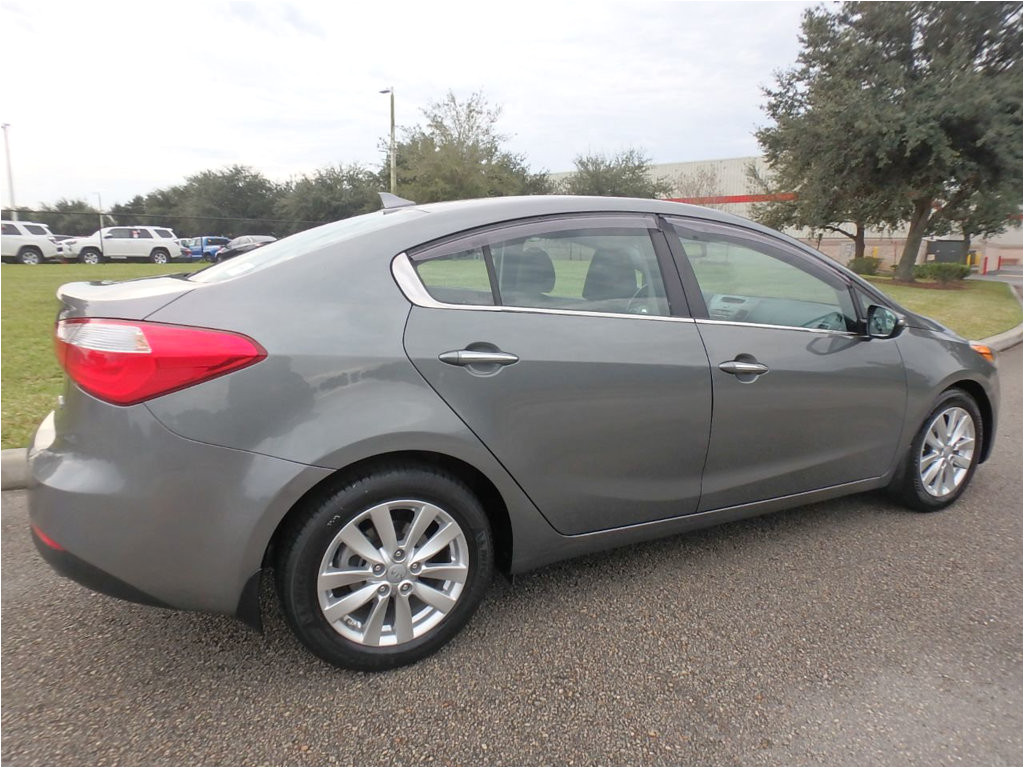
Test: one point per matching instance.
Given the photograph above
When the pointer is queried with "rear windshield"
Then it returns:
(304, 242)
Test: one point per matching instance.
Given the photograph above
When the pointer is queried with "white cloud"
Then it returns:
(123, 98)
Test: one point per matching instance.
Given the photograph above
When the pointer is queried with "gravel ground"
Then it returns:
(849, 632)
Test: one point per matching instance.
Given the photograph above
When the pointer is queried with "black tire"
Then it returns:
(365, 631)
(30, 255)
(159, 256)
(90, 256)
(922, 481)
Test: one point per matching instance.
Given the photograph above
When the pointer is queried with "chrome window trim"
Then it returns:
(412, 288)
(851, 334)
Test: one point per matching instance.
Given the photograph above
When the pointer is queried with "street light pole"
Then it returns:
(394, 182)
(10, 176)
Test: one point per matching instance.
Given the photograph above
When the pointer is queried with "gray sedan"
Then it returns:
(384, 410)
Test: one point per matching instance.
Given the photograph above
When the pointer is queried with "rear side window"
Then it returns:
(164, 233)
(458, 278)
(35, 229)
(142, 234)
(578, 265)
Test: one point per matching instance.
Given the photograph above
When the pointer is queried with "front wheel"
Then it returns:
(944, 454)
(387, 570)
(90, 256)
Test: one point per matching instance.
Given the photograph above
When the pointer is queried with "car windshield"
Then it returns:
(296, 245)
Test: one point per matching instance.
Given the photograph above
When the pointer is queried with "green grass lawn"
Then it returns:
(31, 378)
(976, 309)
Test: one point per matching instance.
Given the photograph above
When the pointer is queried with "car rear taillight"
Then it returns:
(126, 362)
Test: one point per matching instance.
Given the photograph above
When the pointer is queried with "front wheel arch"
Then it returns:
(978, 394)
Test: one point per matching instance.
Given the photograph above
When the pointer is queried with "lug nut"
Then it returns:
(383, 589)
(399, 554)
(404, 589)
(378, 569)
(415, 568)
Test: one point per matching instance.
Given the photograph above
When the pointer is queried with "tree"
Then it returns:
(328, 195)
(66, 217)
(900, 112)
(627, 174)
(235, 200)
(459, 154)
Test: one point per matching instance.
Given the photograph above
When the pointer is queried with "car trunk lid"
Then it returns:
(131, 299)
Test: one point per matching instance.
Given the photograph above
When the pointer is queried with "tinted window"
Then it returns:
(745, 278)
(457, 278)
(596, 270)
(142, 234)
(35, 229)
(119, 233)
(10, 229)
(164, 233)
(566, 265)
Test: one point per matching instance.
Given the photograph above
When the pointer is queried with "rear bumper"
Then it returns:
(125, 507)
(76, 569)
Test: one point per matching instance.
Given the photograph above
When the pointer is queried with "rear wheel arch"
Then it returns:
(479, 484)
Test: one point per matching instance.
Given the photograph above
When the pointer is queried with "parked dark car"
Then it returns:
(383, 410)
(239, 245)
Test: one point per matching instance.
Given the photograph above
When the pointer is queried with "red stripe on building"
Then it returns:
(719, 199)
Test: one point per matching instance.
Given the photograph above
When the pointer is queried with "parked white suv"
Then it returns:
(156, 244)
(29, 243)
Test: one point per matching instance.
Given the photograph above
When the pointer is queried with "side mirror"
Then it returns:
(883, 323)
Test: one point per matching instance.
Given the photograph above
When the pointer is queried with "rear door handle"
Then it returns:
(473, 357)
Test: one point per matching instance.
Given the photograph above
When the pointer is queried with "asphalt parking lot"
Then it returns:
(849, 632)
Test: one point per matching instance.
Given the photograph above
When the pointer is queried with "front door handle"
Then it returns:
(474, 357)
(740, 368)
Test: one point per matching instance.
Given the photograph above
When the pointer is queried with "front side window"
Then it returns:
(573, 266)
(119, 233)
(10, 229)
(745, 278)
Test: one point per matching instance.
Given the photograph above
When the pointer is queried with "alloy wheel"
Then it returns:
(947, 451)
(393, 573)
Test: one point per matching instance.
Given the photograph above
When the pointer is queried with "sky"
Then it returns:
(106, 100)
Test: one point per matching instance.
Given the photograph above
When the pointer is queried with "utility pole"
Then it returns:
(10, 175)
(394, 181)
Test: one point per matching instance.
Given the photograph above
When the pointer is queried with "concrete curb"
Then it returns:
(14, 468)
(14, 461)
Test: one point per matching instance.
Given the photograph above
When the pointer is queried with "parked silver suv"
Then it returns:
(158, 245)
(27, 242)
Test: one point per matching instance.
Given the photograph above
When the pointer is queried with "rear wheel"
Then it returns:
(30, 255)
(944, 454)
(387, 570)
(89, 256)
(159, 256)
